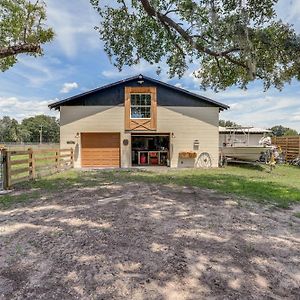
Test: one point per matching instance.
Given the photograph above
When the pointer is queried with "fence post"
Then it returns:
(72, 158)
(32, 171)
(57, 160)
(7, 169)
(4, 168)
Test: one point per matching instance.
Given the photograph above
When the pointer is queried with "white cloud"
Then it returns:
(289, 11)
(73, 26)
(142, 68)
(23, 108)
(296, 118)
(69, 86)
(38, 71)
(179, 85)
(265, 111)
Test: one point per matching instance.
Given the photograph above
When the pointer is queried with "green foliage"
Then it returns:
(11, 131)
(290, 132)
(50, 128)
(29, 129)
(233, 42)
(228, 123)
(22, 30)
(280, 130)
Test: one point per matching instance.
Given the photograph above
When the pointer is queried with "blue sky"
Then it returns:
(75, 62)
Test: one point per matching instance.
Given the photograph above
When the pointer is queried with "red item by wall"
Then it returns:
(143, 159)
(154, 161)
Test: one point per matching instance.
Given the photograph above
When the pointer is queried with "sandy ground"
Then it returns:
(142, 241)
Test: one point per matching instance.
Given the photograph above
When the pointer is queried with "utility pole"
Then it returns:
(41, 134)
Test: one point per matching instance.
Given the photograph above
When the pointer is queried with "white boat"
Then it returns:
(238, 149)
(244, 153)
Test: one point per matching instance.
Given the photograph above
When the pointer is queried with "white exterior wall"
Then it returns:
(186, 124)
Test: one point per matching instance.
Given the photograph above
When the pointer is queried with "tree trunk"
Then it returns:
(18, 49)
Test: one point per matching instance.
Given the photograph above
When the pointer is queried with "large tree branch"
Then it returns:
(164, 19)
(18, 49)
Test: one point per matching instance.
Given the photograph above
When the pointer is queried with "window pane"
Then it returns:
(135, 112)
(135, 99)
(148, 99)
(132, 99)
(138, 99)
(146, 112)
(140, 106)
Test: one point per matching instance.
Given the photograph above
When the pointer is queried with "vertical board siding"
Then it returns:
(290, 145)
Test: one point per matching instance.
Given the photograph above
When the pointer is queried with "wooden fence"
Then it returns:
(20, 166)
(290, 146)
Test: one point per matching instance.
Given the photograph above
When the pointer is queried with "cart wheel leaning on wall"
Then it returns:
(204, 160)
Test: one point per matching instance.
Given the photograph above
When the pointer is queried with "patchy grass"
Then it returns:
(8, 199)
(280, 188)
(30, 190)
(297, 214)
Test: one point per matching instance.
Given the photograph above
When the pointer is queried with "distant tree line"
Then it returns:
(227, 123)
(29, 129)
(277, 130)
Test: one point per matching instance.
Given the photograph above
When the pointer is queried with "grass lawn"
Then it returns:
(280, 188)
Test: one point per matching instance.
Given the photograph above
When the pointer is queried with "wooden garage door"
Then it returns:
(100, 149)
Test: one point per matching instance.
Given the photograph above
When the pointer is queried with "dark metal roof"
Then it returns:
(57, 104)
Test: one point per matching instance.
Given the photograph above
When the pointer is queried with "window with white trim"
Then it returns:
(140, 106)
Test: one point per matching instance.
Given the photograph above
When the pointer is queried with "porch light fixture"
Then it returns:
(141, 79)
(173, 135)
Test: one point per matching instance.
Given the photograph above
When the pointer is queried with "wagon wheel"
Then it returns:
(204, 160)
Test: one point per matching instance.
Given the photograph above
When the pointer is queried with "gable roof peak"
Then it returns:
(140, 80)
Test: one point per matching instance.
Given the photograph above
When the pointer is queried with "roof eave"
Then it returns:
(56, 105)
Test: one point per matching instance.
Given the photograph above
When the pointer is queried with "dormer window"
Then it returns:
(140, 106)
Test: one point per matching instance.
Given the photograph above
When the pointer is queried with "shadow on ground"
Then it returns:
(249, 185)
(146, 241)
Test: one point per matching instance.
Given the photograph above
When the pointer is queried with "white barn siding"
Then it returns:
(186, 123)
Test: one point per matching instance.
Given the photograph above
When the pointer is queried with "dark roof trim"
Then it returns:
(57, 104)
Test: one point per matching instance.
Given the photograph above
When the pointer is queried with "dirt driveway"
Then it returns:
(143, 241)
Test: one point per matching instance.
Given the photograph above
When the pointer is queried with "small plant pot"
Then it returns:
(187, 155)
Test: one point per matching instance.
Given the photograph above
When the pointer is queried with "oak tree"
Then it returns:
(22, 30)
(233, 42)
(280, 130)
